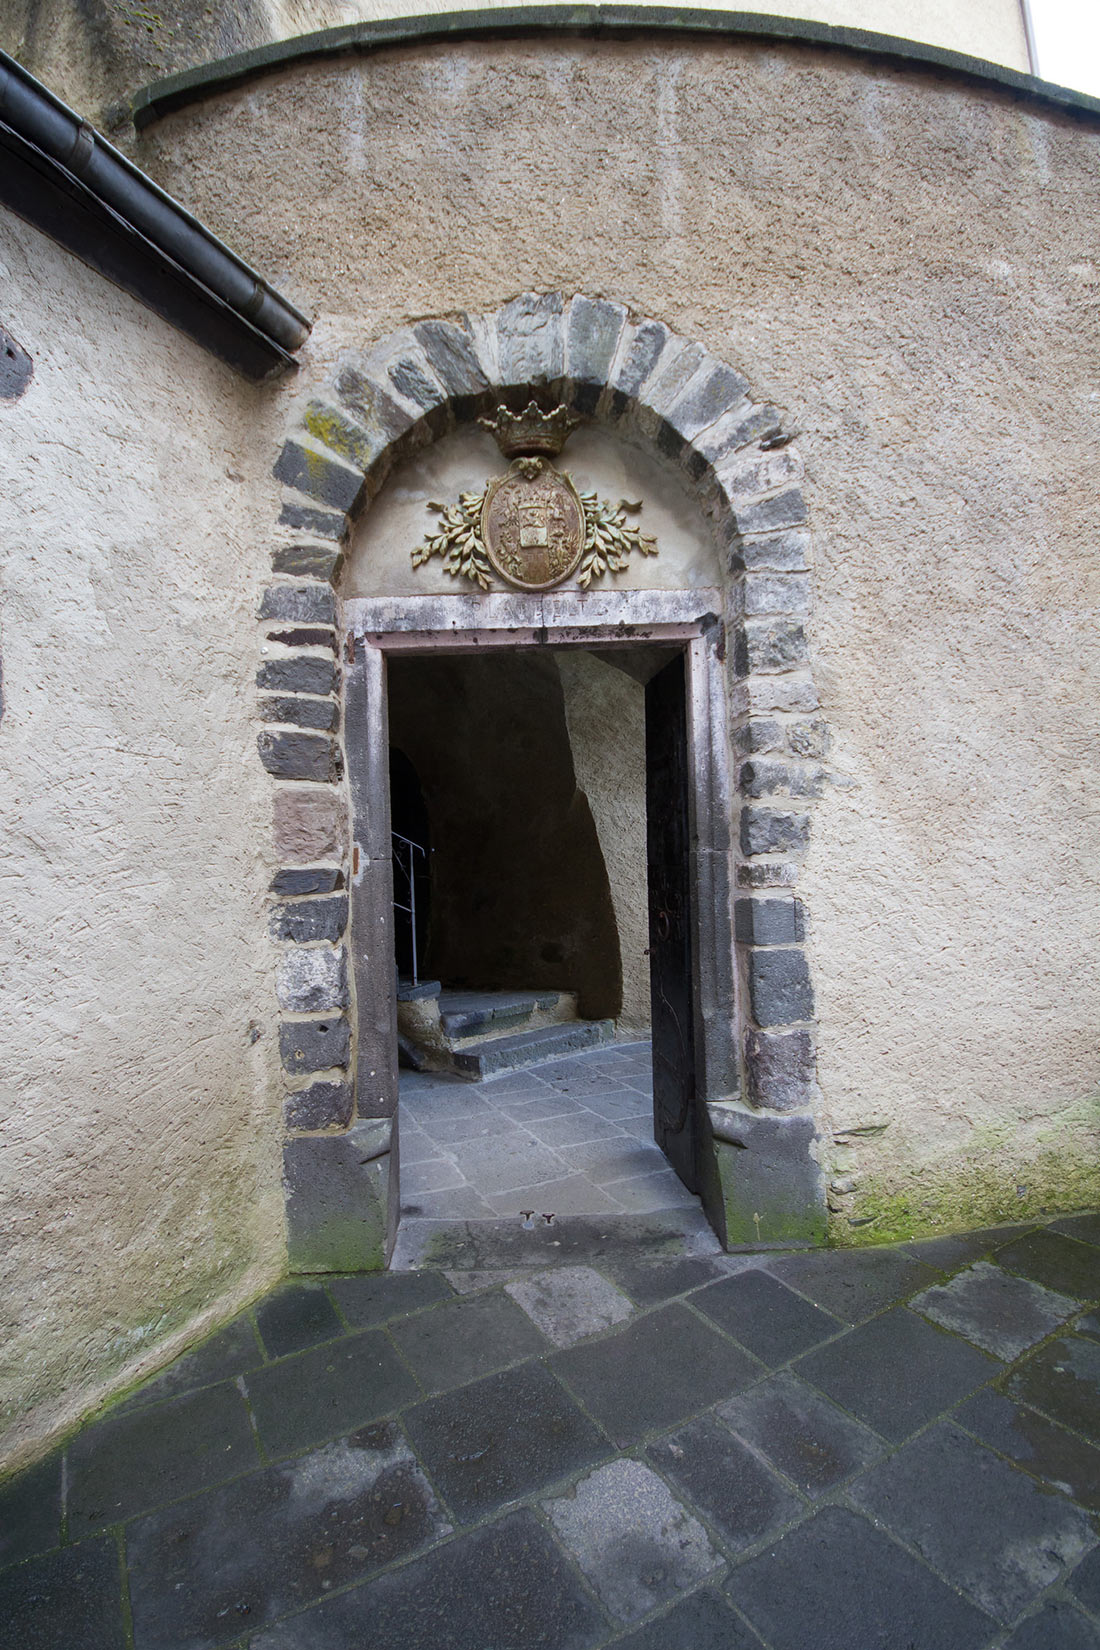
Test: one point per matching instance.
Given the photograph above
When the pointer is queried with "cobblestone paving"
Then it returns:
(895, 1449)
(570, 1137)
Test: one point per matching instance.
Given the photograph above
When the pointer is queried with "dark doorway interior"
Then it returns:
(412, 882)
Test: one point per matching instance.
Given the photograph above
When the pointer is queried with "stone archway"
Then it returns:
(654, 390)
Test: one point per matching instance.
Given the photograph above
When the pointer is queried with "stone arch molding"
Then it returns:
(656, 390)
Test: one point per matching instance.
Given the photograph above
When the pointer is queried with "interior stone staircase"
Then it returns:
(478, 1034)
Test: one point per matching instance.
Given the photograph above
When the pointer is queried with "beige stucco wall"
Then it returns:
(140, 1121)
(905, 263)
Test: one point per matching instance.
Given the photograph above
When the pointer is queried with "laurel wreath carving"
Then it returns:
(609, 540)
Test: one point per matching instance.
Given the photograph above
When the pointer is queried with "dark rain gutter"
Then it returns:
(178, 90)
(65, 178)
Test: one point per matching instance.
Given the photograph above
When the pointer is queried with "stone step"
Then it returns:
(464, 1013)
(528, 1048)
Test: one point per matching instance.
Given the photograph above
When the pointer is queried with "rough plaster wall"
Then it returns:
(907, 264)
(97, 53)
(140, 1121)
(605, 713)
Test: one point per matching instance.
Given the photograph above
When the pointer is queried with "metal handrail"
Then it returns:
(408, 872)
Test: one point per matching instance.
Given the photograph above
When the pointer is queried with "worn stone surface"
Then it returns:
(300, 756)
(337, 1200)
(302, 674)
(571, 1303)
(766, 830)
(779, 987)
(306, 560)
(714, 1471)
(318, 879)
(459, 1341)
(781, 1069)
(314, 1045)
(811, 1441)
(300, 713)
(637, 1545)
(326, 1391)
(319, 1106)
(1001, 1313)
(769, 921)
(309, 825)
(295, 1317)
(764, 1315)
(985, 1526)
(1063, 1380)
(313, 979)
(68, 1597)
(1041, 1447)
(310, 919)
(299, 603)
(773, 1190)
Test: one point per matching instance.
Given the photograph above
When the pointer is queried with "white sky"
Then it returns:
(1067, 37)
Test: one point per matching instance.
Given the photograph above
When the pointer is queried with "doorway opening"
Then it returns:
(542, 933)
(563, 770)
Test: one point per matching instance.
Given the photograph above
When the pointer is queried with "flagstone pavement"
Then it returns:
(599, 1440)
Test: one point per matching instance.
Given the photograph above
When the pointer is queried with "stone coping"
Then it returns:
(161, 97)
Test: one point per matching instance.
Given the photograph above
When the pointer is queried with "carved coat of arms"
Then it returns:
(530, 526)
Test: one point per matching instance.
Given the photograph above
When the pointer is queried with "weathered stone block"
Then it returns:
(593, 329)
(322, 522)
(315, 1045)
(299, 604)
(764, 778)
(320, 1106)
(304, 674)
(768, 873)
(788, 690)
(679, 362)
(452, 356)
(310, 919)
(304, 636)
(780, 992)
(758, 735)
(769, 921)
(309, 825)
(770, 645)
(301, 713)
(765, 831)
(776, 593)
(313, 879)
(378, 423)
(781, 552)
(784, 510)
(306, 560)
(706, 398)
(749, 473)
(310, 471)
(337, 1190)
(742, 425)
(773, 1190)
(312, 979)
(300, 756)
(641, 357)
(529, 339)
(781, 1069)
(808, 738)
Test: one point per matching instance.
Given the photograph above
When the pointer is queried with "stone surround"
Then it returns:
(659, 392)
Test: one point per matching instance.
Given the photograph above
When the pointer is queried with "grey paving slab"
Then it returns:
(460, 1203)
(507, 1585)
(570, 1303)
(1063, 1380)
(70, 1597)
(764, 1315)
(30, 1511)
(716, 1473)
(500, 1165)
(416, 1145)
(574, 1128)
(326, 1391)
(458, 1342)
(430, 1174)
(989, 1529)
(229, 1352)
(1059, 1262)
(622, 1102)
(501, 1438)
(1084, 1583)
(501, 1244)
(641, 1194)
(815, 1444)
(526, 1109)
(1089, 1325)
(648, 1282)
(957, 1249)
(853, 1284)
(296, 1317)
(616, 1159)
(836, 1583)
(657, 1371)
(1084, 1227)
(235, 1558)
(1041, 1447)
(130, 1462)
(996, 1310)
(637, 1544)
(1059, 1625)
(897, 1372)
(702, 1621)
(482, 1123)
(373, 1298)
(573, 1194)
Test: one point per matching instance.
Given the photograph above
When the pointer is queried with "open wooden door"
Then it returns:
(668, 845)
